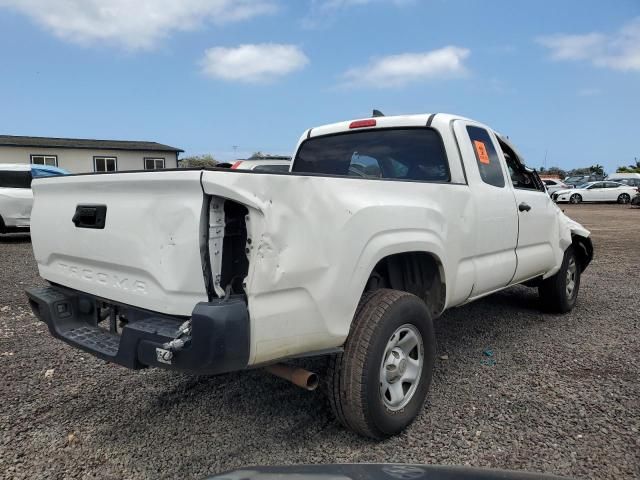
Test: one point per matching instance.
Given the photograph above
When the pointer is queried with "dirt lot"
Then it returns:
(562, 397)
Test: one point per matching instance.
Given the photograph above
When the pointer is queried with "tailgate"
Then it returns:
(148, 252)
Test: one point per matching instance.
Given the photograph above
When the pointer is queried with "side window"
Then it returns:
(486, 156)
(50, 160)
(596, 186)
(105, 164)
(15, 179)
(521, 177)
(153, 163)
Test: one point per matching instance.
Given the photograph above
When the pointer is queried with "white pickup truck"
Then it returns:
(380, 226)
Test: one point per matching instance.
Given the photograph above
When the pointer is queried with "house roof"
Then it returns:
(49, 142)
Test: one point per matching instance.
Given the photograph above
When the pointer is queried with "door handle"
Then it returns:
(90, 216)
(524, 207)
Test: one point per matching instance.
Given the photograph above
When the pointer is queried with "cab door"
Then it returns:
(496, 220)
(537, 218)
(612, 191)
(595, 193)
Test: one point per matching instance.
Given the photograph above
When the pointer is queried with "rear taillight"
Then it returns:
(236, 165)
(363, 123)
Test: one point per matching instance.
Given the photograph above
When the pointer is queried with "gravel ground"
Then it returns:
(562, 397)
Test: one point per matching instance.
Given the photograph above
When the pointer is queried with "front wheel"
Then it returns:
(624, 198)
(575, 198)
(379, 384)
(559, 293)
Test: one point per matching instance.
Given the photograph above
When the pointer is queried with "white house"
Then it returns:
(82, 155)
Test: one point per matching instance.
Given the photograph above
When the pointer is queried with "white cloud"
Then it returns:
(618, 51)
(322, 11)
(253, 63)
(399, 70)
(132, 24)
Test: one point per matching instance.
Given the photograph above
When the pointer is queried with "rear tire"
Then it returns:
(575, 198)
(379, 384)
(624, 198)
(560, 292)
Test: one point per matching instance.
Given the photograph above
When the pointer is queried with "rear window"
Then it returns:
(395, 153)
(15, 179)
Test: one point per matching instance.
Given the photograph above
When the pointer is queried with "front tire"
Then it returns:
(624, 198)
(559, 293)
(379, 384)
(575, 198)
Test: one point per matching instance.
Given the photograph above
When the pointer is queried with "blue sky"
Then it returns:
(560, 78)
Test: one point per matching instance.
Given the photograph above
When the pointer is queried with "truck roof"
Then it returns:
(415, 120)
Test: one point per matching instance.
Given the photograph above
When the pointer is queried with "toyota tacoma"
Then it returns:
(380, 225)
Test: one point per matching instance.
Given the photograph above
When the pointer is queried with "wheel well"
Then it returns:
(584, 250)
(419, 273)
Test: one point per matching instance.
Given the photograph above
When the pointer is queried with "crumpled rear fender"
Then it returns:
(313, 242)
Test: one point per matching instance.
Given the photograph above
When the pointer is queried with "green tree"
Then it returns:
(597, 169)
(579, 171)
(632, 168)
(198, 161)
(554, 171)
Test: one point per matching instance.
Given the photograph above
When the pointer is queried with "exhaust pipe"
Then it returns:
(298, 376)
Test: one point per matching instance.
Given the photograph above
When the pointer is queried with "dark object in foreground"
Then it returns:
(383, 471)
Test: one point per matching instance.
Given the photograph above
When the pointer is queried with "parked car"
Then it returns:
(596, 192)
(576, 180)
(631, 179)
(635, 201)
(382, 224)
(554, 185)
(16, 198)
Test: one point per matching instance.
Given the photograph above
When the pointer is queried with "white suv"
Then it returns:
(16, 198)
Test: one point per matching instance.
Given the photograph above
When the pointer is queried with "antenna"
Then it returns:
(377, 113)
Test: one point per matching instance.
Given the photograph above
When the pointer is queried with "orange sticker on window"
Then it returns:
(481, 151)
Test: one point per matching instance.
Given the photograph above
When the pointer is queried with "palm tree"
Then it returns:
(631, 168)
(597, 169)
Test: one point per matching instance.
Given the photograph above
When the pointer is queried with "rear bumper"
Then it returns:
(218, 341)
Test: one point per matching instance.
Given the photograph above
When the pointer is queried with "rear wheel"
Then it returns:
(379, 384)
(560, 292)
(575, 198)
(624, 198)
